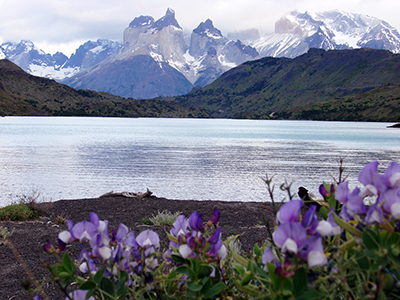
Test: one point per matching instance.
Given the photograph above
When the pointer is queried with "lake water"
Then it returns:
(200, 159)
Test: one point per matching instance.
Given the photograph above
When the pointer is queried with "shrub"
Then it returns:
(164, 218)
(17, 212)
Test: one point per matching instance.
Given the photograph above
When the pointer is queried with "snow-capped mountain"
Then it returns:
(178, 65)
(34, 60)
(155, 59)
(57, 66)
(297, 32)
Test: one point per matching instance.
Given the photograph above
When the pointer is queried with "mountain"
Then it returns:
(57, 66)
(156, 61)
(22, 94)
(297, 32)
(359, 84)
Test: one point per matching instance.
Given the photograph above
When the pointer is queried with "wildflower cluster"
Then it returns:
(130, 259)
(346, 246)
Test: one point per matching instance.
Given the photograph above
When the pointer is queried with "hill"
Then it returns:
(361, 84)
(22, 94)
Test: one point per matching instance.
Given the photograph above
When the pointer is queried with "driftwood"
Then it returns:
(148, 193)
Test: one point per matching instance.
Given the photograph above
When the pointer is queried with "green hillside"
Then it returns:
(361, 84)
(22, 94)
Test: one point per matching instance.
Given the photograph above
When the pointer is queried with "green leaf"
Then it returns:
(246, 278)
(215, 290)
(261, 271)
(63, 275)
(275, 278)
(108, 286)
(249, 289)
(309, 295)
(88, 285)
(362, 261)
(346, 226)
(178, 258)
(204, 271)
(120, 287)
(300, 281)
(172, 238)
(257, 250)
(370, 240)
(193, 286)
(187, 271)
(66, 262)
(324, 211)
(239, 268)
(99, 275)
(239, 259)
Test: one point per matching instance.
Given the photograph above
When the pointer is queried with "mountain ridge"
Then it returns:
(271, 88)
(22, 94)
(207, 54)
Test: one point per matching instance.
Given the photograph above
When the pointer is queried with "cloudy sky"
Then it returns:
(65, 24)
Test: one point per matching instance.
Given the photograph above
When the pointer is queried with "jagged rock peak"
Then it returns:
(141, 21)
(207, 29)
(167, 20)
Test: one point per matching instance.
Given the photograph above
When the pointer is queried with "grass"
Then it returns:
(17, 212)
(162, 218)
(24, 208)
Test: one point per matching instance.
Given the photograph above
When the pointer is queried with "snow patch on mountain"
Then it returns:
(297, 32)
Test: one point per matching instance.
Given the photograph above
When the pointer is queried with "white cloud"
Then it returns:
(66, 23)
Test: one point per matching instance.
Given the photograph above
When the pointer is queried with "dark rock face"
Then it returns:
(139, 77)
(167, 20)
(141, 21)
(92, 53)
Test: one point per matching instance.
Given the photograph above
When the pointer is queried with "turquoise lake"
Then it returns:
(199, 159)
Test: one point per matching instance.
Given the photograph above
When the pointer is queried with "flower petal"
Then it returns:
(289, 212)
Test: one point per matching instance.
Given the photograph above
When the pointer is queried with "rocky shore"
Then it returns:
(28, 237)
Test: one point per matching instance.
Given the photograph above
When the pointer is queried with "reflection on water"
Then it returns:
(72, 158)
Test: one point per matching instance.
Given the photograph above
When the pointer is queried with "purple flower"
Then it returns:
(88, 262)
(48, 247)
(373, 181)
(390, 201)
(196, 222)
(324, 192)
(314, 254)
(344, 214)
(180, 226)
(336, 229)
(78, 295)
(215, 237)
(148, 238)
(100, 246)
(374, 214)
(268, 257)
(355, 204)
(289, 212)
(217, 249)
(310, 220)
(342, 192)
(353, 201)
(291, 236)
(83, 231)
(215, 217)
(392, 175)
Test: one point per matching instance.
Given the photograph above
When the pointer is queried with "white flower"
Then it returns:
(316, 258)
(324, 228)
(185, 251)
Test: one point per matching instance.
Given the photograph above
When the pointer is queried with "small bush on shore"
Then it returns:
(17, 212)
(164, 218)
